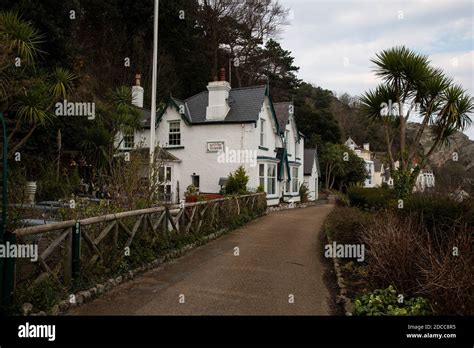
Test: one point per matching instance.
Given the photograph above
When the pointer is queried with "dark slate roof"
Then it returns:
(161, 154)
(245, 106)
(282, 111)
(309, 155)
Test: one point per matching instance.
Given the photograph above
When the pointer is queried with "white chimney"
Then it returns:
(367, 147)
(218, 106)
(137, 92)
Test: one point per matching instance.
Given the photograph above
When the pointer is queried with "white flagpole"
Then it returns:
(154, 83)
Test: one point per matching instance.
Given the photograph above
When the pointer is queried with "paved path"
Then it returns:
(279, 257)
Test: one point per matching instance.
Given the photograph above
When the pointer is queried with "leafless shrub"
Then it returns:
(392, 251)
(447, 272)
(401, 252)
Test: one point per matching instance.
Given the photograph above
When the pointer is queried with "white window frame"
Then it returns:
(126, 140)
(261, 175)
(294, 179)
(262, 132)
(172, 133)
(271, 178)
(165, 186)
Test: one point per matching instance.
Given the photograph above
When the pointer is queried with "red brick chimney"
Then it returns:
(222, 74)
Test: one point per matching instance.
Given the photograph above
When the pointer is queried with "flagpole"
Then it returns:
(154, 83)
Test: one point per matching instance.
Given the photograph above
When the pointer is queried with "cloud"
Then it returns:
(333, 42)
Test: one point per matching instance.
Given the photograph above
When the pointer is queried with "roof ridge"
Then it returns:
(248, 87)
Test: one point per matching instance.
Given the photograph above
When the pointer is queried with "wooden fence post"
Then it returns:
(68, 258)
(76, 250)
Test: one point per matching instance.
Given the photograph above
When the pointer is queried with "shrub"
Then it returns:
(304, 192)
(344, 224)
(392, 251)
(401, 252)
(341, 200)
(237, 182)
(371, 198)
(52, 188)
(438, 212)
(42, 295)
(385, 302)
(191, 190)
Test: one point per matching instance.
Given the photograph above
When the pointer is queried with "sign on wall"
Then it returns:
(215, 146)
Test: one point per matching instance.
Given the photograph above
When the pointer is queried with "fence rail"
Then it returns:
(68, 249)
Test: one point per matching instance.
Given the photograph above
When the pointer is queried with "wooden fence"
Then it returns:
(68, 249)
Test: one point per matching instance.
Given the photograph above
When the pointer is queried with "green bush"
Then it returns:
(304, 193)
(42, 295)
(49, 188)
(385, 302)
(237, 182)
(344, 224)
(438, 212)
(371, 198)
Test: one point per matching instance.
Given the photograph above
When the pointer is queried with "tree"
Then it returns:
(341, 166)
(411, 86)
(237, 182)
(29, 92)
(116, 116)
(314, 117)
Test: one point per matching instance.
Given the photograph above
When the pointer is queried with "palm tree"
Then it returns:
(28, 93)
(117, 116)
(411, 86)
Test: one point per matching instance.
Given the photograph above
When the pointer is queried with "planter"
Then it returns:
(30, 192)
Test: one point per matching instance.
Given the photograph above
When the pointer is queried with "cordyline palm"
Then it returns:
(28, 93)
(409, 80)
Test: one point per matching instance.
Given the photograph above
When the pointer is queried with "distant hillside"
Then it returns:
(459, 143)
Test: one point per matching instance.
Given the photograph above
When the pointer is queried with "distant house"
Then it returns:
(425, 180)
(366, 155)
(214, 132)
(312, 173)
(379, 170)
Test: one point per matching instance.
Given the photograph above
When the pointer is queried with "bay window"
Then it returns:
(271, 179)
(294, 179)
(261, 175)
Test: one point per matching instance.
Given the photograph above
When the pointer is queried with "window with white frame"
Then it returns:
(294, 179)
(271, 179)
(174, 133)
(164, 186)
(288, 185)
(262, 132)
(261, 175)
(128, 140)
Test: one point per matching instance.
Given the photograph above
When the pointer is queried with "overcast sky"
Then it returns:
(333, 41)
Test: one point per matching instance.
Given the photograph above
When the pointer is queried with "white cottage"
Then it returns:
(312, 173)
(214, 132)
(366, 155)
